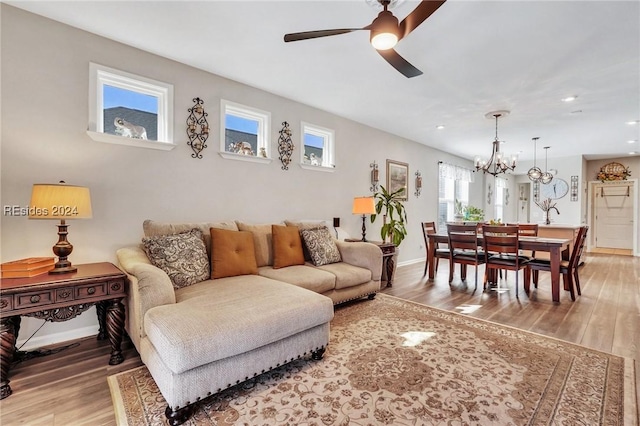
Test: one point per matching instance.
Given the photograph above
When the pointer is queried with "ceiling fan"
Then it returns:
(385, 33)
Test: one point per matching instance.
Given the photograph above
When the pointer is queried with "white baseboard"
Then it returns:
(412, 261)
(50, 339)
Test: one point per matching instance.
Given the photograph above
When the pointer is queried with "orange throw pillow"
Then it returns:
(232, 253)
(287, 246)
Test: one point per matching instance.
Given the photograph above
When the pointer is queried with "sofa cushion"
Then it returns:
(305, 225)
(217, 319)
(322, 248)
(347, 275)
(287, 246)
(183, 257)
(152, 228)
(262, 241)
(305, 276)
(232, 253)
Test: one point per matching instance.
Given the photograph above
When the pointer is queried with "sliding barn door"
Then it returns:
(614, 215)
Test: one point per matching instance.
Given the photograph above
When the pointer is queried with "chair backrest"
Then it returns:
(578, 247)
(500, 239)
(428, 228)
(528, 229)
(463, 237)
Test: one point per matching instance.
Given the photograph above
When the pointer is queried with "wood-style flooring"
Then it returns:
(70, 387)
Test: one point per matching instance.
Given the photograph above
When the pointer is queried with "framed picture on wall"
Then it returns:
(398, 177)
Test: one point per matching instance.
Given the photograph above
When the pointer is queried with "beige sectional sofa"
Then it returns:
(199, 336)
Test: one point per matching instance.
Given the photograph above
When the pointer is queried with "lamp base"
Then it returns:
(364, 229)
(63, 270)
(62, 249)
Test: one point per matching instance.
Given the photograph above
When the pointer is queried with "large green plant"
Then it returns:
(394, 215)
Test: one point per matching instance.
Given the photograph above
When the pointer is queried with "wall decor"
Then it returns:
(197, 128)
(613, 171)
(285, 145)
(489, 193)
(418, 184)
(397, 178)
(536, 191)
(506, 196)
(574, 188)
(375, 177)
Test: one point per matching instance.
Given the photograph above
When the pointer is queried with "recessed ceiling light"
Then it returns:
(439, 127)
(632, 141)
(631, 123)
(569, 98)
(632, 153)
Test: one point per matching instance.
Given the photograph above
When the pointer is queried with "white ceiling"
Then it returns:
(477, 57)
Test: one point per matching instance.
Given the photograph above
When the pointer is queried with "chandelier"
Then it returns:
(498, 162)
(534, 173)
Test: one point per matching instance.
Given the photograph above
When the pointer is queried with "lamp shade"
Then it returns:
(364, 205)
(59, 201)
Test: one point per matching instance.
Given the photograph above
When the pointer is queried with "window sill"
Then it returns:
(139, 143)
(241, 157)
(318, 168)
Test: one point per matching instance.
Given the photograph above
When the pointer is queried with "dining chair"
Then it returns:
(463, 249)
(568, 268)
(500, 243)
(441, 253)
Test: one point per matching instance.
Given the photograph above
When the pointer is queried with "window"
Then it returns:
(130, 110)
(453, 189)
(317, 151)
(244, 133)
(501, 189)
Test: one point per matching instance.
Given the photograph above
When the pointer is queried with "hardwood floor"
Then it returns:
(70, 387)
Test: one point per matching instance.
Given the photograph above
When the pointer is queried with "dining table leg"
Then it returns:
(554, 256)
(431, 259)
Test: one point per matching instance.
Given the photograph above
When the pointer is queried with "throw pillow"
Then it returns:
(232, 253)
(182, 256)
(261, 240)
(322, 248)
(305, 225)
(287, 246)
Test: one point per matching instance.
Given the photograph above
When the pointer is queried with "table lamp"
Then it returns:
(60, 201)
(364, 206)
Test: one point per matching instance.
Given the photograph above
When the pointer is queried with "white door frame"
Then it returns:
(591, 206)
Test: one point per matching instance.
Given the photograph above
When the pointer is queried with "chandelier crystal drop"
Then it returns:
(534, 172)
(498, 162)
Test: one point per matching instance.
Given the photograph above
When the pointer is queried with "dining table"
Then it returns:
(556, 247)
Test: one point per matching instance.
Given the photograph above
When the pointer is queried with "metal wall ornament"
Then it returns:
(197, 128)
(418, 184)
(375, 177)
(285, 145)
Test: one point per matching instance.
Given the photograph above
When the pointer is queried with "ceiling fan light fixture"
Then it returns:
(384, 31)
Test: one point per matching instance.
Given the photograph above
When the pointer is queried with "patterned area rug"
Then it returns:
(395, 362)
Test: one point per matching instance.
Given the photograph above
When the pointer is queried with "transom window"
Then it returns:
(317, 147)
(244, 133)
(135, 108)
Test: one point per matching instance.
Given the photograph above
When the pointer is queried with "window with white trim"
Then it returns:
(244, 132)
(453, 190)
(501, 187)
(318, 147)
(128, 109)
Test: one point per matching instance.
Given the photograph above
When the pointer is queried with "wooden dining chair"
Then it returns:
(568, 268)
(500, 245)
(464, 250)
(441, 253)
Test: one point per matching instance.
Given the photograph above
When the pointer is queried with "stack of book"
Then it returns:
(25, 268)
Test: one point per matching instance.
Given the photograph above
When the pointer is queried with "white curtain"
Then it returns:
(451, 171)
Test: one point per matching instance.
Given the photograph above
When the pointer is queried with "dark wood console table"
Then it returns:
(388, 264)
(59, 298)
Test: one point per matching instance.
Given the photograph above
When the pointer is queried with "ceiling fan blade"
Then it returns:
(419, 14)
(321, 33)
(399, 63)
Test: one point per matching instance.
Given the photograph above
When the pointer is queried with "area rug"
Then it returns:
(394, 362)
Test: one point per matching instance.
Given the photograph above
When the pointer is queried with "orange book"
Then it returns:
(28, 273)
(27, 264)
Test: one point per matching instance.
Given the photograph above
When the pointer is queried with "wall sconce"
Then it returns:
(197, 128)
(418, 183)
(375, 177)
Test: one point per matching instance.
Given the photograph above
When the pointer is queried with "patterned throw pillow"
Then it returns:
(182, 256)
(322, 248)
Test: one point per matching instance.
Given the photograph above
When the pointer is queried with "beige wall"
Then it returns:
(45, 84)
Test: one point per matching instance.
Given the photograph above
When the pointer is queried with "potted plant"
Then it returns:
(474, 214)
(458, 210)
(394, 215)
